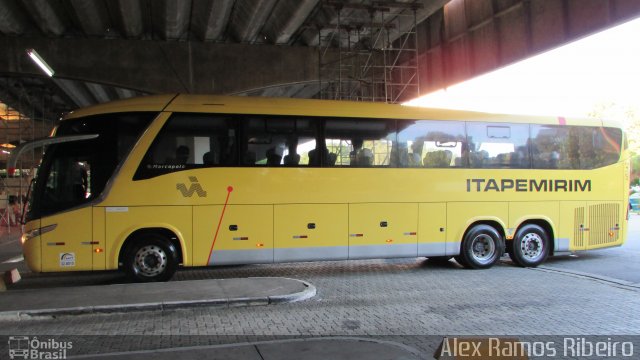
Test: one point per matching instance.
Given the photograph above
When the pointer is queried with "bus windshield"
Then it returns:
(75, 173)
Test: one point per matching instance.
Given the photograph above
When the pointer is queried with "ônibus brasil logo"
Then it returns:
(25, 347)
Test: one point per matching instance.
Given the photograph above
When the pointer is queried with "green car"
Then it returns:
(634, 201)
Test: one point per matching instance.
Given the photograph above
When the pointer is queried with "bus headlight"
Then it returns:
(29, 235)
(36, 232)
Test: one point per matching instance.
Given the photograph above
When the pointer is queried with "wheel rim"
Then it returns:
(532, 247)
(483, 249)
(150, 260)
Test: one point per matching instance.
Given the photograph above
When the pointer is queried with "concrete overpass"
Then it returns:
(105, 50)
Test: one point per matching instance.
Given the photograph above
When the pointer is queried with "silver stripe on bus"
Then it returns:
(311, 253)
(432, 249)
(383, 251)
(562, 244)
(234, 257)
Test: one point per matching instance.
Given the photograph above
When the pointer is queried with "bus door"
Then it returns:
(65, 197)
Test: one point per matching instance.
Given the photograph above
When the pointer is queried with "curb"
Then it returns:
(308, 292)
(405, 349)
(590, 276)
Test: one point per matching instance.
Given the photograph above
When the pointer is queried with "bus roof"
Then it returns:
(312, 107)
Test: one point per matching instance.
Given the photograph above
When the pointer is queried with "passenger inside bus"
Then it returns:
(208, 158)
(360, 156)
(273, 158)
(292, 158)
(353, 155)
(182, 156)
(415, 157)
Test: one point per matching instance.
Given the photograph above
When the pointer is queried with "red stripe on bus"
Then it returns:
(226, 201)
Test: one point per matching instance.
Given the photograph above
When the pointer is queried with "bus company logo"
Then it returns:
(194, 188)
(25, 347)
(67, 259)
(528, 185)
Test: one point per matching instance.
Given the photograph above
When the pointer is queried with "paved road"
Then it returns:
(404, 301)
(621, 263)
(10, 251)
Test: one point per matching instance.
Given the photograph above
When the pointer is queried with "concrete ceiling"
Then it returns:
(103, 50)
(134, 24)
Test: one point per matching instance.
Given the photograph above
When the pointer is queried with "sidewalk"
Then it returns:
(16, 304)
(337, 348)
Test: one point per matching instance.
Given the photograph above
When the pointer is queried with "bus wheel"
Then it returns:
(530, 246)
(151, 258)
(481, 247)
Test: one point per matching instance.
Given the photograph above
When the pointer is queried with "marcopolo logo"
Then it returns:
(194, 188)
(25, 347)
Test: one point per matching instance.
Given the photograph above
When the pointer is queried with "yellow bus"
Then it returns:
(150, 184)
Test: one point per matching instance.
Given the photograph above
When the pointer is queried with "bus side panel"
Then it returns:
(461, 215)
(383, 230)
(309, 232)
(245, 235)
(99, 241)
(549, 211)
(573, 226)
(69, 246)
(122, 221)
(432, 229)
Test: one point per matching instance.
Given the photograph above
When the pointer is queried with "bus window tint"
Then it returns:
(278, 141)
(360, 142)
(191, 141)
(432, 144)
(574, 147)
(75, 173)
(498, 145)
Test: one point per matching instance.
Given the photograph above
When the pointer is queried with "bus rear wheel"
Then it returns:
(151, 258)
(481, 248)
(530, 246)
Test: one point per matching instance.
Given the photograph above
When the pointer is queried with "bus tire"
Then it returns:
(530, 246)
(460, 260)
(151, 258)
(481, 247)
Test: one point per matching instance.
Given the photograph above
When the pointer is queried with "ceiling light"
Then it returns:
(40, 62)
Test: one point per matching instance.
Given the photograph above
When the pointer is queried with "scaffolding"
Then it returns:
(370, 58)
(15, 129)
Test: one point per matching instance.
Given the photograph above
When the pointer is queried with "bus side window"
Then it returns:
(360, 142)
(278, 141)
(499, 145)
(190, 141)
(574, 147)
(432, 144)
